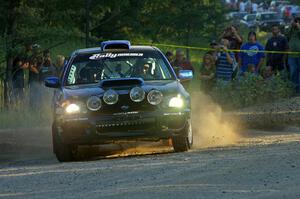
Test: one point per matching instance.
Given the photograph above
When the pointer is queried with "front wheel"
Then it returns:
(63, 152)
(185, 141)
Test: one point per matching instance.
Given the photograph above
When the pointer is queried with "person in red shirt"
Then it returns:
(182, 63)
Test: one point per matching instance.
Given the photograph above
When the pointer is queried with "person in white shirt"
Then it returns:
(254, 7)
(242, 6)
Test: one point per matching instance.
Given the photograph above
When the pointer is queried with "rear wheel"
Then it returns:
(64, 152)
(185, 141)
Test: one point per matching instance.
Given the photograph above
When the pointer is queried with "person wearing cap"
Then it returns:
(251, 53)
(214, 50)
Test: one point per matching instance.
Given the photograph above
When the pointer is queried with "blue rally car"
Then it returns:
(119, 92)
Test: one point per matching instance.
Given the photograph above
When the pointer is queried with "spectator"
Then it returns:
(268, 72)
(251, 69)
(47, 69)
(18, 78)
(277, 42)
(60, 61)
(294, 46)
(253, 54)
(207, 73)
(224, 68)
(214, 52)
(33, 70)
(242, 6)
(46, 54)
(254, 8)
(248, 6)
(273, 7)
(34, 86)
(234, 38)
(169, 56)
(181, 63)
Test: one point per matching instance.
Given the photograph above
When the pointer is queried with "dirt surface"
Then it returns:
(262, 164)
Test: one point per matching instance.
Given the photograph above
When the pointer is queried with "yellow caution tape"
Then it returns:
(211, 49)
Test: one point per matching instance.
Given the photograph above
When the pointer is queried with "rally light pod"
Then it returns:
(115, 45)
(94, 103)
(137, 94)
(110, 97)
(155, 97)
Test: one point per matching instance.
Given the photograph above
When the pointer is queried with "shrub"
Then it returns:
(251, 90)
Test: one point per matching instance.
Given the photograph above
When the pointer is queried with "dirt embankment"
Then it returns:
(277, 114)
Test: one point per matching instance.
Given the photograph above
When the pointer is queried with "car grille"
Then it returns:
(126, 124)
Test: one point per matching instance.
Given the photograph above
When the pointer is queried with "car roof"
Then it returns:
(263, 13)
(98, 50)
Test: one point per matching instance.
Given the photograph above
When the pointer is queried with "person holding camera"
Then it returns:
(224, 67)
(235, 39)
(294, 58)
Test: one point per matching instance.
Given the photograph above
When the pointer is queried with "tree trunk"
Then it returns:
(187, 43)
(10, 44)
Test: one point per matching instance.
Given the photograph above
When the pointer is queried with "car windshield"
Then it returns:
(269, 16)
(92, 68)
(250, 17)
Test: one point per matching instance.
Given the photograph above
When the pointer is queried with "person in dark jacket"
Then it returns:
(294, 46)
(277, 42)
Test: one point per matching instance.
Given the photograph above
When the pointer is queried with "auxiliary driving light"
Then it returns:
(72, 109)
(137, 94)
(155, 97)
(176, 102)
(110, 97)
(94, 103)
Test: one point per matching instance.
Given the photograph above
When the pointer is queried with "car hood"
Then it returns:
(84, 91)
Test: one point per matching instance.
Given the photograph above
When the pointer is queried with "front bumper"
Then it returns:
(102, 129)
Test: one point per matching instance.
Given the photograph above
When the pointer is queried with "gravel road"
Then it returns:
(262, 164)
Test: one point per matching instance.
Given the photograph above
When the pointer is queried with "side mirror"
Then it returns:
(52, 82)
(185, 74)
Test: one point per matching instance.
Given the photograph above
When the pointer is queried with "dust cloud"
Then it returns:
(211, 127)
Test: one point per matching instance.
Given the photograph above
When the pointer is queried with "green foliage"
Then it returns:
(251, 90)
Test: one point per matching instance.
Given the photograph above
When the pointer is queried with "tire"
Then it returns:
(63, 152)
(184, 142)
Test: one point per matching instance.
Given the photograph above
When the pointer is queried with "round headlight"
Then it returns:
(176, 102)
(137, 94)
(93, 103)
(72, 109)
(110, 97)
(155, 97)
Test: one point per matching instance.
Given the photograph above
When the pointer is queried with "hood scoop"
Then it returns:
(121, 82)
